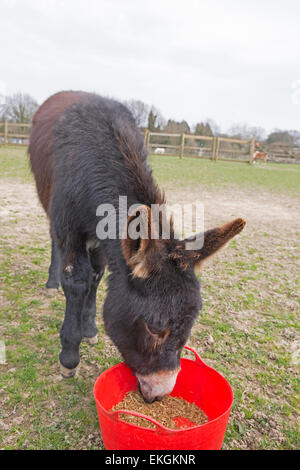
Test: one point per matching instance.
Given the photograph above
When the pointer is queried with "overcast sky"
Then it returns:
(232, 61)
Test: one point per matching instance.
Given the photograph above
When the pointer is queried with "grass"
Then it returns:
(189, 172)
(14, 163)
(248, 328)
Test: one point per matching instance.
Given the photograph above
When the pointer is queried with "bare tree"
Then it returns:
(258, 132)
(243, 131)
(19, 107)
(139, 110)
(296, 136)
(215, 128)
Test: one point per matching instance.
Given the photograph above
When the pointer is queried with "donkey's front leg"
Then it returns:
(90, 330)
(75, 279)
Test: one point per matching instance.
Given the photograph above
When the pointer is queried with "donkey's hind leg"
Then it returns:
(90, 329)
(54, 270)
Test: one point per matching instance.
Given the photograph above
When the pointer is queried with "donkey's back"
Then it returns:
(65, 127)
(41, 141)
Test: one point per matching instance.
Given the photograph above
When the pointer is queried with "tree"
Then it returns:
(215, 128)
(203, 129)
(139, 111)
(155, 120)
(174, 127)
(243, 131)
(282, 137)
(151, 121)
(296, 136)
(19, 107)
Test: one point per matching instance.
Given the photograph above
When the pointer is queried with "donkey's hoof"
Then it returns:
(68, 373)
(92, 341)
(51, 291)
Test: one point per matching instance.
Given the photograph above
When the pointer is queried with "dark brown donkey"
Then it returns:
(86, 151)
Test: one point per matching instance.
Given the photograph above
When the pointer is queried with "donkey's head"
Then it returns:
(151, 307)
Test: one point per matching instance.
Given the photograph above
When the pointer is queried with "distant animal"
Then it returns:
(85, 150)
(159, 150)
(260, 156)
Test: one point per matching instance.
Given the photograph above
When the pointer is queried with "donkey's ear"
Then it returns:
(216, 239)
(139, 243)
(213, 241)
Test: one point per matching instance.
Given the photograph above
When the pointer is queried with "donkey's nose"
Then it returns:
(159, 398)
(157, 385)
(148, 400)
(151, 400)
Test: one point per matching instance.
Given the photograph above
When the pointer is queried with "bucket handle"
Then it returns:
(158, 427)
(198, 359)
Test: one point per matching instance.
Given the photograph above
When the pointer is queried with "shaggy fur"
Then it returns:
(86, 150)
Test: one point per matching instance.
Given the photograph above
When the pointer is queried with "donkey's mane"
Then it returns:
(134, 154)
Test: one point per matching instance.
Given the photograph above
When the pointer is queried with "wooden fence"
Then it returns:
(189, 145)
(12, 133)
(181, 145)
(217, 148)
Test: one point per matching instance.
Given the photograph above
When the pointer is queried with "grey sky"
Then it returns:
(232, 61)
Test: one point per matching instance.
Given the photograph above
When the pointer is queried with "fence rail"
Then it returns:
(14, 133)
(189, 145)
(217, 148)
(180, 145)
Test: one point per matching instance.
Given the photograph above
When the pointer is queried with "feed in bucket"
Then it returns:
(171, 412)
(196, 383)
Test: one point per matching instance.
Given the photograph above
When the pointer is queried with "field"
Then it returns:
(248, 328)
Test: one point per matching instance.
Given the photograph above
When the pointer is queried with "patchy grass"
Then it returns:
(248, 328)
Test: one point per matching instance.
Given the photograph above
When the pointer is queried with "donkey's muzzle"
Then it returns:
(157, 385)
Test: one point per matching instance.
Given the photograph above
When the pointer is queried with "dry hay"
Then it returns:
(171, 412)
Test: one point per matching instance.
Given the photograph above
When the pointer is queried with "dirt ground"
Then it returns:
(261, 210)
(247, 329)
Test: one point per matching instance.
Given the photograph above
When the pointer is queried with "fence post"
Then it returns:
(147, 139)
(217, 148)
(181, 146)
(5, 132)
(251, 150)
(146, 136)
(213, 151)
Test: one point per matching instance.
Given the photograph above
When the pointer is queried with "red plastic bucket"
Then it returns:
(196, 382)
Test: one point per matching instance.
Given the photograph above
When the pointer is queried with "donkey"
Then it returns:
(86, 150)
